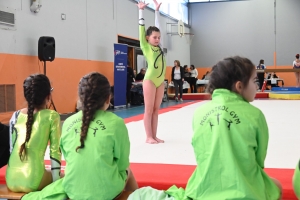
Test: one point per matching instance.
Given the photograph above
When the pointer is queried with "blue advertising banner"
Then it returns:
(120, 74)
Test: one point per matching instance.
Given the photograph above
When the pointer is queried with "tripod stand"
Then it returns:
(51, 101)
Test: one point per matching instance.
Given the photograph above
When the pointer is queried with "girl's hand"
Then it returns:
(157, 5)
(142, 5)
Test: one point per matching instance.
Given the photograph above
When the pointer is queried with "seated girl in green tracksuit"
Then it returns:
(230, 138)
(96, 147)
(296, 180)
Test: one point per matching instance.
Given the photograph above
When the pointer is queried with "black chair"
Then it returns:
(4, 145)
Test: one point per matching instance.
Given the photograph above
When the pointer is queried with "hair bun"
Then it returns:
(297, 55)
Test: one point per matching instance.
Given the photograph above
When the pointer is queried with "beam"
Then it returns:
(277, 70)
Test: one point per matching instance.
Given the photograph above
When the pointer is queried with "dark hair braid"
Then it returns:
(36, 89)
(29, 93)
(94, 90)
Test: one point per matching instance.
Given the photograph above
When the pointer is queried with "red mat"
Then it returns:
(163, 176)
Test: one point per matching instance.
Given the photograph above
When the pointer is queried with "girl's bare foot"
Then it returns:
(159, 140)
(151, 141)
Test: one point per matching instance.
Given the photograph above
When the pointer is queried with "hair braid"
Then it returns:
(29, 93)
(36, 88)
(94, 90)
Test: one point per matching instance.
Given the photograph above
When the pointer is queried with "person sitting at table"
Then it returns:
(140, 76)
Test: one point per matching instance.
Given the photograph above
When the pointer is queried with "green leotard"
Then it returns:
(296, 180)
(98, 171)
(25, 176)
(154, 55)
(230, 144)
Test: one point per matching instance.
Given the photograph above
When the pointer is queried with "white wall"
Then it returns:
(245, 28)
(89, 31)
(225, 29)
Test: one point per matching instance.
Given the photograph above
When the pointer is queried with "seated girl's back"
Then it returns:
(31, 129)
(231, 138)
(95, 145)
(101, 165)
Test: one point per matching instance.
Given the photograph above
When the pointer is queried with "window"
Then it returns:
(7, 98)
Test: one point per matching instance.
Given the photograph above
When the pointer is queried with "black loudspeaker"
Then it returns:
(46, 48)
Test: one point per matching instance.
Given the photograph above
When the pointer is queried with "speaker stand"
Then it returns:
(51, 101)
(45, 68)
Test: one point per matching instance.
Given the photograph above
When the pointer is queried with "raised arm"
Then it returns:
(142, 33)
(157, 20)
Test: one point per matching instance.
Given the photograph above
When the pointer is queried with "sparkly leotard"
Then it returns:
(25, 176)
(154, 55)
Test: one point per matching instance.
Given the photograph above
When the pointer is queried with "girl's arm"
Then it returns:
(142, 32)
(157, 20)
(122, 146)
(55, 154)
(12, 122)
(296, 180)
(262, 137)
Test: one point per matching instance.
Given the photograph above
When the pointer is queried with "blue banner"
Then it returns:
(120, 74)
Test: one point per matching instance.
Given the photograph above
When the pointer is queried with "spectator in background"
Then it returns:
(130, 80)
(206, 76)
(177, 78)
(141, 75)
(296, 65)
(261, 76)
(193, 79)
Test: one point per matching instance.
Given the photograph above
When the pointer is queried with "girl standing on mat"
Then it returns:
(30, 130)
(230, 138)
(296, 65)
(153, 84)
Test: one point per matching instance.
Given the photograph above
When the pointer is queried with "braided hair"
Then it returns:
(93, 91)
(36, 88)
